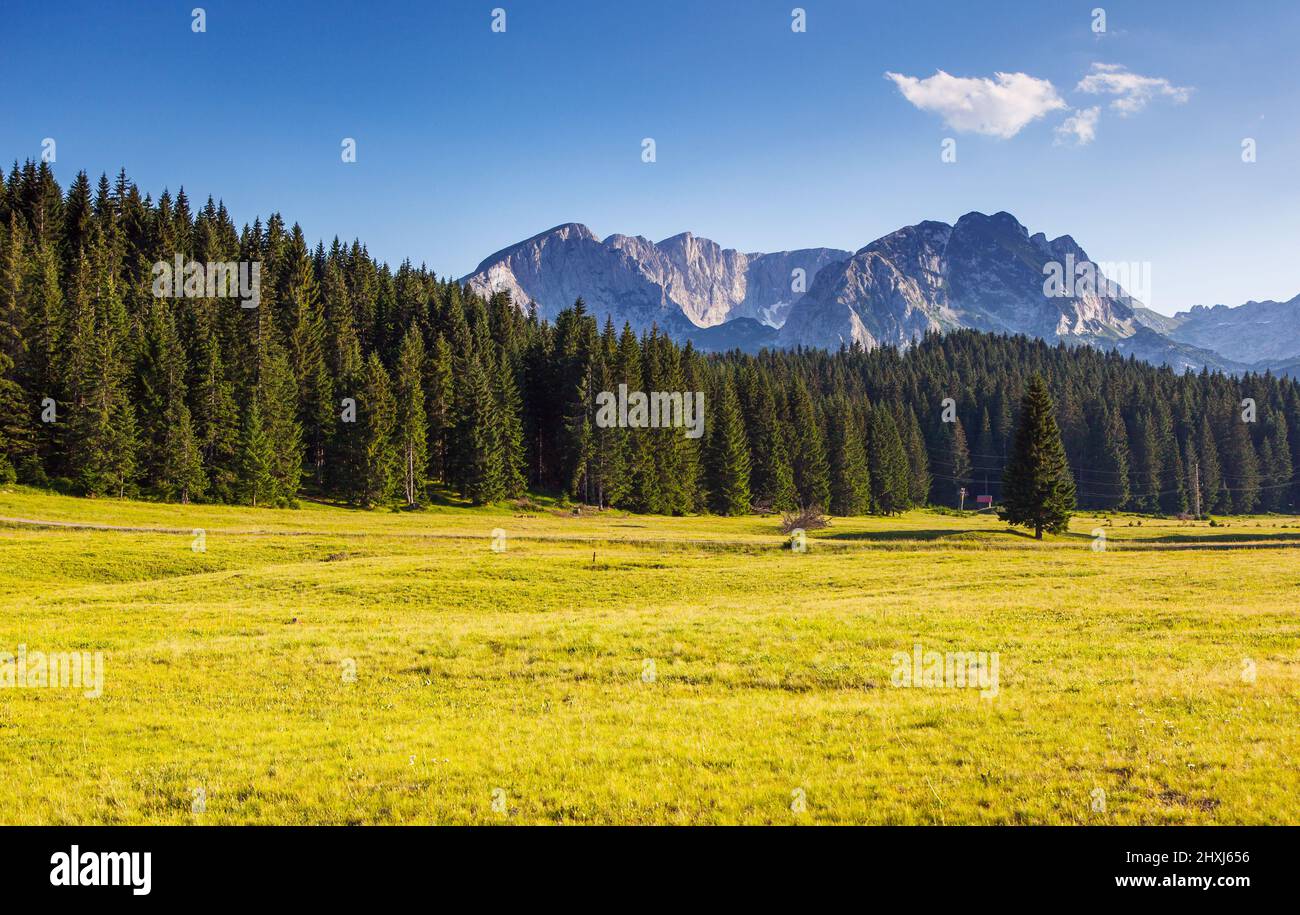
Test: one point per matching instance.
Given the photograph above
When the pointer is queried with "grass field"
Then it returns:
(613, 668)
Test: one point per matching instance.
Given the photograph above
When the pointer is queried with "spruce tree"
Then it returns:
(1145, 472)
(986, 458)
(638, 458)
(919, 479)
(808, 450)
(14, 440)
(887, 459)
(958, 463)
(377, 418)
(256, 458)
(303, 319)
(17, 436)
(608, 452)
(771, 477)
(850, 478)
(103, 424)
(439, 406)
(181, 475)
(1037, 488)
(728, 452)
(481, 472)
(217, 422)
(412, 428)
(1213, 495)
(1243, 484)
(1280, 470)
(1112, 462)
(279, 396)
(509, 429)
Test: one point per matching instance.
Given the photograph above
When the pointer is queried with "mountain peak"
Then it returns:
(564, 232)
(1001, 221)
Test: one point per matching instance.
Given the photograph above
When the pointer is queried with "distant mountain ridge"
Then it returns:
(984, 272)
(681, 283)
(1266, 331)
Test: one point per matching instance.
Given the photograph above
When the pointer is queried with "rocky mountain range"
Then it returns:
(1257, 331)
(984, 272)
(682, 284)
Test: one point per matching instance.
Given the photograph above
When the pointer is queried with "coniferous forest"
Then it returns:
(355, 382)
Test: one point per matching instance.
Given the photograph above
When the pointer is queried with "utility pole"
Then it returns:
(1196, 485)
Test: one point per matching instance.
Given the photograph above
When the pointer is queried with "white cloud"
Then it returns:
(997, 107)
(1080, 128)
(1132, 90)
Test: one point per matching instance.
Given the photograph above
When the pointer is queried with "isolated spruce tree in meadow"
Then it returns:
(1037, 488)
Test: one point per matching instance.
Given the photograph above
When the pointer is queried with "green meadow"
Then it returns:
(327, 665)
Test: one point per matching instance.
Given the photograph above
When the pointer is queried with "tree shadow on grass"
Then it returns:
(1214, 539)
(1172, 541)
(930, 534)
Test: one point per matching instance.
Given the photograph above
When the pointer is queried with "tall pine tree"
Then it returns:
(1037, 488)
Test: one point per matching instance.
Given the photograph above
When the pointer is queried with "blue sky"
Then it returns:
(469, 140)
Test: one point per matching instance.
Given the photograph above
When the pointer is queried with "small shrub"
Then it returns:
(808, 519)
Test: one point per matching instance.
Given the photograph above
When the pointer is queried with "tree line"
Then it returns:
(359, 383)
